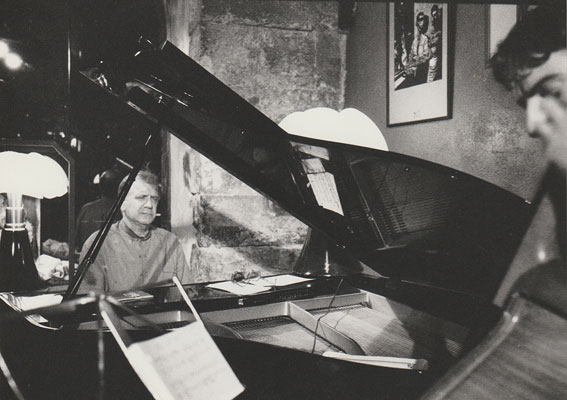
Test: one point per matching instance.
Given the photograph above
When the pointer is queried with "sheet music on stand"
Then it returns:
(181, 364)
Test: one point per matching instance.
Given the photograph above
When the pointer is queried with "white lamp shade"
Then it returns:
(31, 174)
(350, 126)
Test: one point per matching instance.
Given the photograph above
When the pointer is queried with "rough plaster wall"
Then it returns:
(281, 57)
(486, 135)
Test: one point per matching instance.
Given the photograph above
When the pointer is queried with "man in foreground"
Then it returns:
(532, 61)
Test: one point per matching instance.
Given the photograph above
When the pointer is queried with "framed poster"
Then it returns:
(418, 76)
(501, 18)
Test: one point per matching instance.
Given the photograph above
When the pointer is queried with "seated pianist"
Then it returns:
(135, 253)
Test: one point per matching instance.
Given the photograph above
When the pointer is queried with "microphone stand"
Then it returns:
(100, 349)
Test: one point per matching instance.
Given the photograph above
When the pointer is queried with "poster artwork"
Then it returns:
(418, 77)
(418, 32)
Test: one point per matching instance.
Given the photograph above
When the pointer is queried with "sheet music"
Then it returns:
(325, 190)
(241, 288)
(319, 152)
(283, 280)
(184, 364)
(25, 303)
(313, 166)
(257, 285)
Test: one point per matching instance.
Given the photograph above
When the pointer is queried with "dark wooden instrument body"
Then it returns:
(525, 357)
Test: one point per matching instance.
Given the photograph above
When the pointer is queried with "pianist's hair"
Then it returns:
(529, 44)
(145, 176)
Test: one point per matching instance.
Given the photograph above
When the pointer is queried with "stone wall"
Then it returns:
(282, 57)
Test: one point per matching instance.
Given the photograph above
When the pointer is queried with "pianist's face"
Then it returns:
(544, 94)
(140, 204)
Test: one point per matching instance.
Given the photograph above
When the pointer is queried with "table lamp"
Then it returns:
(29, 174)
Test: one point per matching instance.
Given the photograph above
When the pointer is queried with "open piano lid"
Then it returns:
(406, 218)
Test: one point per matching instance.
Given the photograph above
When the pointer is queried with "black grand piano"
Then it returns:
(405, 267)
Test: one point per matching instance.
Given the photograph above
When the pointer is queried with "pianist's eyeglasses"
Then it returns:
(244, 277)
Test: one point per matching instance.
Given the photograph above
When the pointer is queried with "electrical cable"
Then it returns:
(325, 314)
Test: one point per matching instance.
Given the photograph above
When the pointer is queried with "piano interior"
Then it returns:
(360, 323)
(322, 316)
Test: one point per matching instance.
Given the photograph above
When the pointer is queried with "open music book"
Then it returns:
(184, 364)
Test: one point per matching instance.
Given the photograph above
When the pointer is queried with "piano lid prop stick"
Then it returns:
(186, 298)
(381, 361)
(10, 379)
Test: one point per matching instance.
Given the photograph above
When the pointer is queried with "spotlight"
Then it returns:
(13, 61)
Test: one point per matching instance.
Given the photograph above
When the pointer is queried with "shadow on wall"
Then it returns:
(225, 246)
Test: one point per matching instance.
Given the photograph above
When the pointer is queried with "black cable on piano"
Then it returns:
(325, 314)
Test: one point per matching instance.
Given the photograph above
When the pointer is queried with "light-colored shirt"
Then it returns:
(125, 261)
(420, 51)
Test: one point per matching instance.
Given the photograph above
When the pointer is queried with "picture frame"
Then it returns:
(418, 62)
(500, 18)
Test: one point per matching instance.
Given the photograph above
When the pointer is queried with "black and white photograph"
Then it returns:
(283, 200)
(418, 45)
(418, 59)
